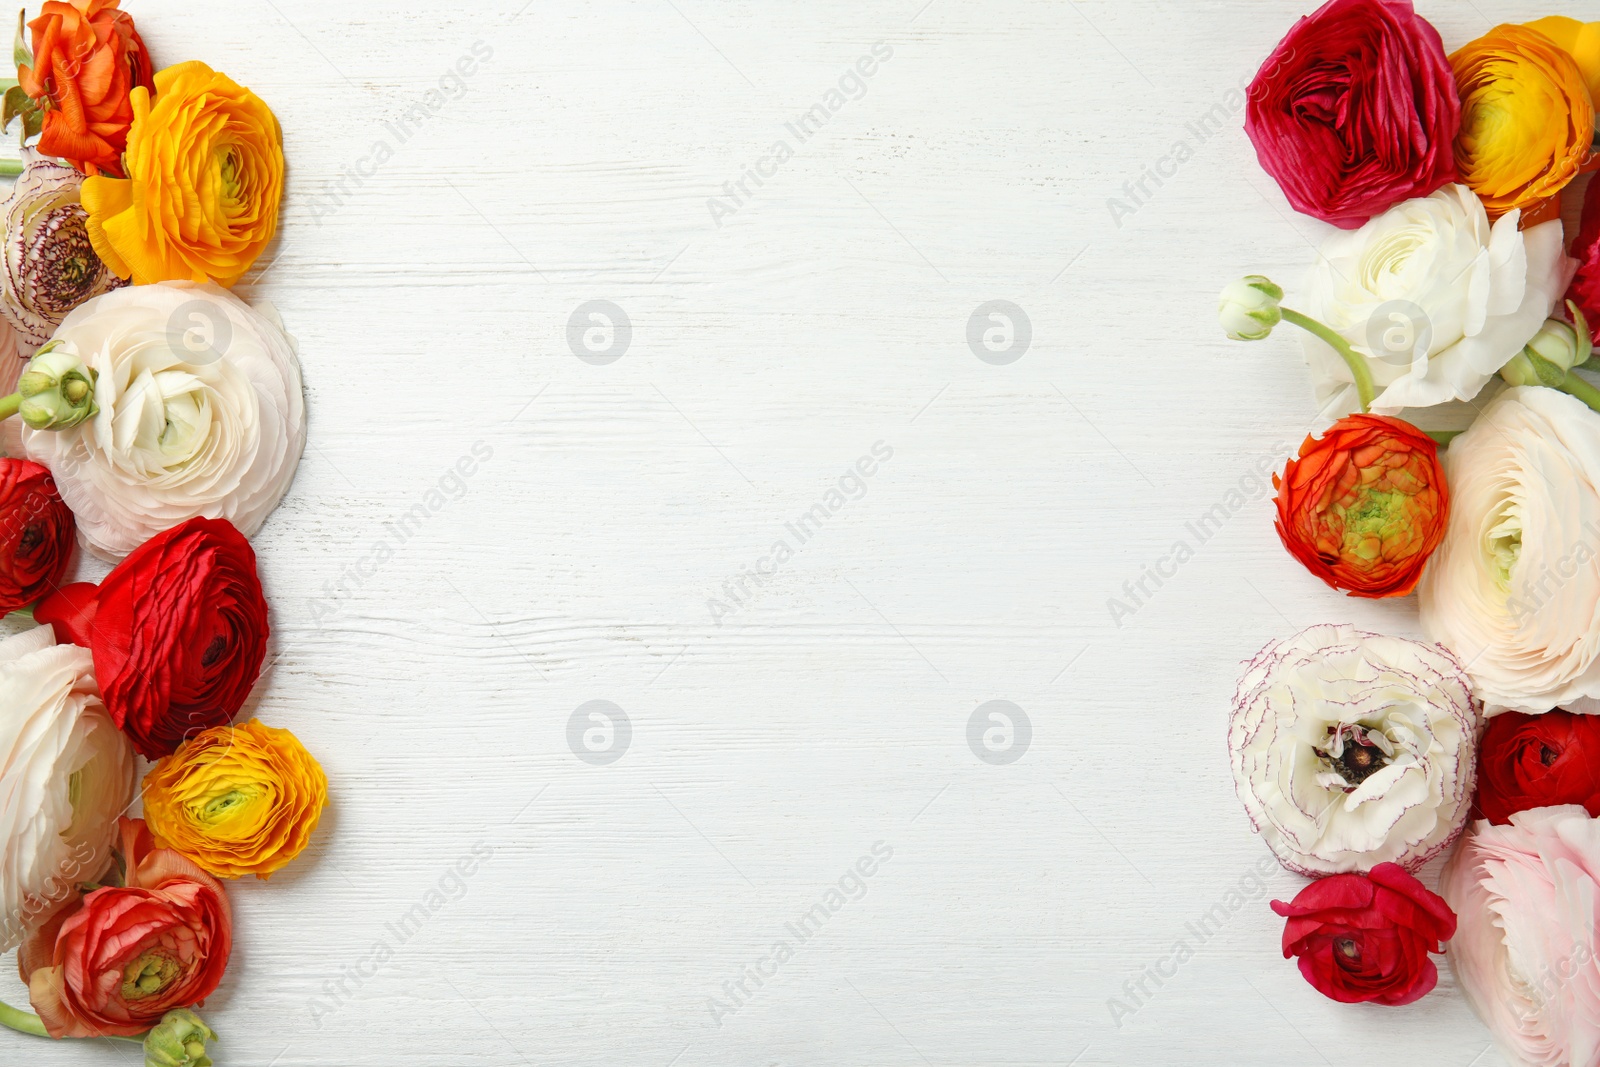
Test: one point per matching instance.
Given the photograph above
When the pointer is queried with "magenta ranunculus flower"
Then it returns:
(1356, 110)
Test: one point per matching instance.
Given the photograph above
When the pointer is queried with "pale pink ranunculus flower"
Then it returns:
(66, 774)
(1527, 899)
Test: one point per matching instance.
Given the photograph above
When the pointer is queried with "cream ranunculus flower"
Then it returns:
(1351, 749)
(1526, 952)
(1433, 297)
(201, 413)
(1514, 588)
(66, 773)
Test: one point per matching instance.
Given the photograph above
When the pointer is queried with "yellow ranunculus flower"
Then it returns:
(1580, 40)
(236, 800)
(1527, 120)
(205, 176)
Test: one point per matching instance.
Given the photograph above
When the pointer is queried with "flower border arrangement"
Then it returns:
(1361, 756)
(154, 419)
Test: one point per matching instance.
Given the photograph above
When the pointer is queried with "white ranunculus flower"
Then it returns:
(1435, 298)
(1351, 749)
(66, 773)
(201, 413)
(1526, 952)
(1514, 587)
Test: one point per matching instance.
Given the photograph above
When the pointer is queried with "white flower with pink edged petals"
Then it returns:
(1352, 749)
(1527, 898)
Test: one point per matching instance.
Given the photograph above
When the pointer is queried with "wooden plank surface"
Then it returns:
(781, 732)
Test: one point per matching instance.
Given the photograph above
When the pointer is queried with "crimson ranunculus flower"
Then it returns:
(36, 534)
(178, 631)
(1366, 937)
(130, 954)
(1538, 761)
(1365, 506)
(1585, 289)
(1356, 110)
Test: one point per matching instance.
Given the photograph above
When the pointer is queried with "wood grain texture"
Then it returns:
(773, 746)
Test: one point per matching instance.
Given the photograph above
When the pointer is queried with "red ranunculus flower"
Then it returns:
(1585, 289)
(129, 954)
(178, 631)
(1366, 937)
(1364, 507)
(1538, 761)
(1356, 110)
(36, 534)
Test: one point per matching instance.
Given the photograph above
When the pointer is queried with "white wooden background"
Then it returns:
(769, 353)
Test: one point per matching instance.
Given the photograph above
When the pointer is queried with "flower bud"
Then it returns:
(1520, 371)
(1249, 308)
(57, 390)
(1559, 343)
(178, 1040)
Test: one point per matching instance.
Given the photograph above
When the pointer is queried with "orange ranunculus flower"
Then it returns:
(87, 60)
(1364, 507)
(1527, 120)
(130, 954)
(1580, 40)
(236, 800)
(205, 176)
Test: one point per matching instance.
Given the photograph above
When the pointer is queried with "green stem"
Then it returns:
(10, 168)
(9, 405)
(1359, 371)
(1581, 389)
(24, 1022)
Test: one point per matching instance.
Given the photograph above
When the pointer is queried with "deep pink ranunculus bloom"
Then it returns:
(1356, 110)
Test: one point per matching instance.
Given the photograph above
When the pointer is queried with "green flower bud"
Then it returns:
(57, 390)
(1558, 343)
(1249, 308)
(179, 1040)
(1520, 370)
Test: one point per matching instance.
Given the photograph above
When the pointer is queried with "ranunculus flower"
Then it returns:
(200, 413)
(1585, 290)
(1367, 938)
(1514, 589)
(1524, 953)
(1352, 749)
(178, 631)
(88, 60)
(1526, 119)
(1364, 507)
(205, 177)
(1435, 298)
(1355, 111)
(65, 776)
(237, 800)
(36, 534)
(132, 953)
(50, 266)
(1538, 761)
(1580, 40)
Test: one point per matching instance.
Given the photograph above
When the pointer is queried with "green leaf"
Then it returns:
(15, 103)
(20, 52)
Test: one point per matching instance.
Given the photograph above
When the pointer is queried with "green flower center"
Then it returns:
(148, 975)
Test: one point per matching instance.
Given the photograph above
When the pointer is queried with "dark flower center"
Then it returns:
(214, 651)
(1548, 755)
(1360, 762)
(32, 538)
(1348, 950)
